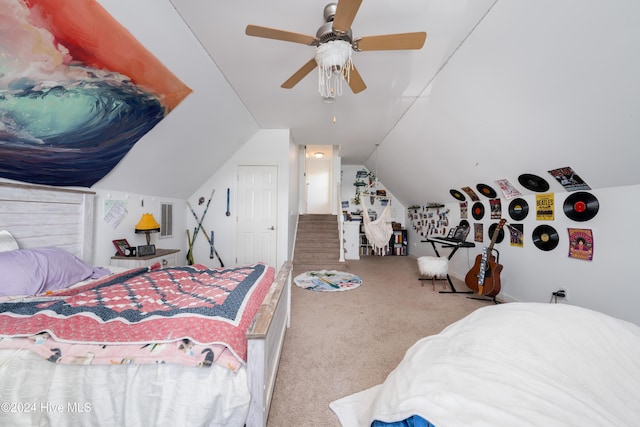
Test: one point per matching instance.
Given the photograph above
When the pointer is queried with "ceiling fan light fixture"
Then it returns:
(334, 64)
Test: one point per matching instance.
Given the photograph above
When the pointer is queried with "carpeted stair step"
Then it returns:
(317, 218)
(317, 256)
(313, 226)
(317, 244)
(317, 236)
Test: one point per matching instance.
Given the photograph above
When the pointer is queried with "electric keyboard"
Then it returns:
(451, 241)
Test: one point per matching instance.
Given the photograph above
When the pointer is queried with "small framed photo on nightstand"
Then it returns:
(122, 246)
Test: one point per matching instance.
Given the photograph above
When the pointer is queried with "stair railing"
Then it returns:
(340, 220)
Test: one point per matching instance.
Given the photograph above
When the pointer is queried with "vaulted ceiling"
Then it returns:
(500, 88)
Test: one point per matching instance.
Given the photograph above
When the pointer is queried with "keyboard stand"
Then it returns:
(455, 245)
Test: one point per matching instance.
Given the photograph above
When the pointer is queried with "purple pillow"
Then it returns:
(34, 271)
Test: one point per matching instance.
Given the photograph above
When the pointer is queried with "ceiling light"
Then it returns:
(318, 154)
(334, 64)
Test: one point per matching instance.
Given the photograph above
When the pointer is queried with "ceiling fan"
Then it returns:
(337, 30)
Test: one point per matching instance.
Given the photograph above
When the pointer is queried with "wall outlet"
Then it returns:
(566, 293)
(561, 295)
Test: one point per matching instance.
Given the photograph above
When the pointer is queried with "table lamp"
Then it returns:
(147, 225)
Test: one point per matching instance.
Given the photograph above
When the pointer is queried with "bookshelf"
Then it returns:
(398, 244)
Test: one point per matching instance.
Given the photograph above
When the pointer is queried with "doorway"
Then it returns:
(319, 191)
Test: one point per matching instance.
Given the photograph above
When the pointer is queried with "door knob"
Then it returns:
(271, 228)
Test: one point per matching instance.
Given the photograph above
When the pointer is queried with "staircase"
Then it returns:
(317, 244)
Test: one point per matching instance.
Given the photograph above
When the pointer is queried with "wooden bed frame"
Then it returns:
(39, 216)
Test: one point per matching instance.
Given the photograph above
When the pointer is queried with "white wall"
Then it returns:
(273, 147)
(136, 205)
(267, 147)
(296, 171)
(608, 283)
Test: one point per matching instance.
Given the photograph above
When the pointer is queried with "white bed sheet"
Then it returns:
(35, 392)
(517, 364)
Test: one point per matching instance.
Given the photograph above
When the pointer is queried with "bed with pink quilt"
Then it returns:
(81, 345)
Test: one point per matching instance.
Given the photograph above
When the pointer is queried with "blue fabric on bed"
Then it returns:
(414, 421)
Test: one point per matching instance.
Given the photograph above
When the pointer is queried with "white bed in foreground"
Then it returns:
(517, 364)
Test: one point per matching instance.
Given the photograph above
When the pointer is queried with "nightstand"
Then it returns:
(166, 258)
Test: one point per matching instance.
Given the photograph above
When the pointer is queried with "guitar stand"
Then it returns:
(493, 298)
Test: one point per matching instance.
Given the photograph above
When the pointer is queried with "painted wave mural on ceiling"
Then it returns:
(77, 91)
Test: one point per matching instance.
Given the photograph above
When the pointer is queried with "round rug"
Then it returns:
(327, 281)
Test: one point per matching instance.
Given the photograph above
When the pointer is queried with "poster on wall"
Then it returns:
(569, 179)
(581, 243)
(544, 207)
(516, 234)
(478, 232)
(472, 194)
(78, 91)
(464, 210)
(496, 208)
(114, 212)
(508, 189)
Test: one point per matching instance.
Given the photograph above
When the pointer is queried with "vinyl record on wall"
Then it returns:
(487, 191)
(458, 195)
(492, 229)
(477, 210)
(518, 209)
(533, 182)
(545, 237)
(581, 206)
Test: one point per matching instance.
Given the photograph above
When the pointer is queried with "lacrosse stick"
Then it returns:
(210, 240)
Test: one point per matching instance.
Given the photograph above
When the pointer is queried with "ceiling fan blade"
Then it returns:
(391, 42)
(355, 80)
(345, 14)
(300, 74)
(287, 36)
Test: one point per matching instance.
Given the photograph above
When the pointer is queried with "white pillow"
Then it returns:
(7, 242)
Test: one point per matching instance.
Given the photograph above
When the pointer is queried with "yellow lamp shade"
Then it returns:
(147, 225)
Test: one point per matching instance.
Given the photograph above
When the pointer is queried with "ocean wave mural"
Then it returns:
(77, 91)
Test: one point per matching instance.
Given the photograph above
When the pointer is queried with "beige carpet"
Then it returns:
(343, 342)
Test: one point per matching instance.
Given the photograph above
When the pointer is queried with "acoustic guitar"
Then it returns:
(484, 277)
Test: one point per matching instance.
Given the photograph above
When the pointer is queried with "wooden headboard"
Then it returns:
(39, 216)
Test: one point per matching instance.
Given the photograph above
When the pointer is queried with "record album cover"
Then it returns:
(581, 243)
(569, 179)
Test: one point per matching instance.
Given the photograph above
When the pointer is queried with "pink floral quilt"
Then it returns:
(189, 315)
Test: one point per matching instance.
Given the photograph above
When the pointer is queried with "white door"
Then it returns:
(257, 214)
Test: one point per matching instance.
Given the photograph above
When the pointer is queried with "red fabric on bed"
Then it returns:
(205, 306)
